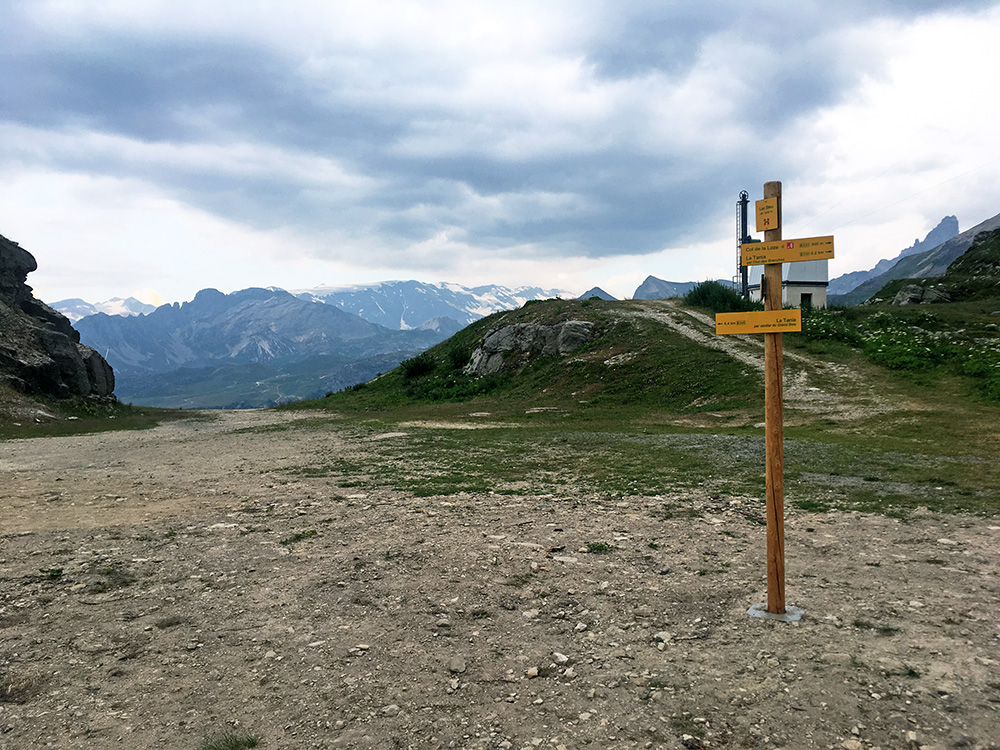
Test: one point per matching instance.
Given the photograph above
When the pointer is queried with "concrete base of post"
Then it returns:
(792, 614)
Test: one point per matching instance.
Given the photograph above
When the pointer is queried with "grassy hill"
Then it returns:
(24, 415)
(655, 402)
(632, 364)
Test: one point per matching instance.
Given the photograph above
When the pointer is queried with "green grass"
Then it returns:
(539, 458)
(925, 343)
(643, 411)
(880, 628)
(230, 740)
(298, 537)
(80, 416)
(824, 469)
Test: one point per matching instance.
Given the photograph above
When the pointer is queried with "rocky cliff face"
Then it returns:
(40, 353)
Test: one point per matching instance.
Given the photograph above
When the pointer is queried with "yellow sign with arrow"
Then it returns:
(762, 321)
(786, 251)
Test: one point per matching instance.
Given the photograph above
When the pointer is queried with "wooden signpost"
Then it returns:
(772, 322)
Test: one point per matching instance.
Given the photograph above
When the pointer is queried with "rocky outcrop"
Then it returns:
(40, 352)
(500, 346)
(914, 294)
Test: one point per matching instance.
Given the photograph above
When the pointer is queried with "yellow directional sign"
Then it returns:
(767, 214)
(762, 321)
(786, 251)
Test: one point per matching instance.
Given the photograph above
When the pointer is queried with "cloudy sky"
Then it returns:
(155, 148)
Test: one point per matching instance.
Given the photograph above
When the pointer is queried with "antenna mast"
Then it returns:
(742, 236)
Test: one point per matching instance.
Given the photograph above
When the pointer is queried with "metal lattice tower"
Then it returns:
(742, 236)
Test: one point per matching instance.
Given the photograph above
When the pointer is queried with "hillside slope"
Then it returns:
(636, 356)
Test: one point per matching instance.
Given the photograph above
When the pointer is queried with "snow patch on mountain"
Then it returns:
(409, 305)
(75, 308)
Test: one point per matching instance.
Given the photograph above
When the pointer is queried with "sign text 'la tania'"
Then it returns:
(761, 321)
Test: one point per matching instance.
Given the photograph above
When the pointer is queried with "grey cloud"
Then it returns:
(156, 91)
(622, 200)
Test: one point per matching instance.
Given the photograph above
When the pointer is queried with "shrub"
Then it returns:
(982, 361)
(718, 298)
(230, 740)
(889, 342)
(459, 356)
(422, 364)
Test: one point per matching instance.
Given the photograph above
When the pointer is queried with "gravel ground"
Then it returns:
(161, 587)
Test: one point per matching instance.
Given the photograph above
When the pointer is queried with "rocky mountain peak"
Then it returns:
(597, 292)
(945, 230)
(15, 265)
(40, 352)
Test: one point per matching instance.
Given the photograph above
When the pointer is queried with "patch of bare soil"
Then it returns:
(161, 586)
(16, 408)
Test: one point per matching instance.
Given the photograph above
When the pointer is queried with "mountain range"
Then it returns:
(654, 288)
(75, 308)
(256, 347)
(259, 347)
(930, 262)
(408, 305)
(944, 231)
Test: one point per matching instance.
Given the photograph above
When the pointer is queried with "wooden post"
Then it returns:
(774, 473)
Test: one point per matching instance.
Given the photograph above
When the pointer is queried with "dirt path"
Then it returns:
(161, 586)
(815, 386)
